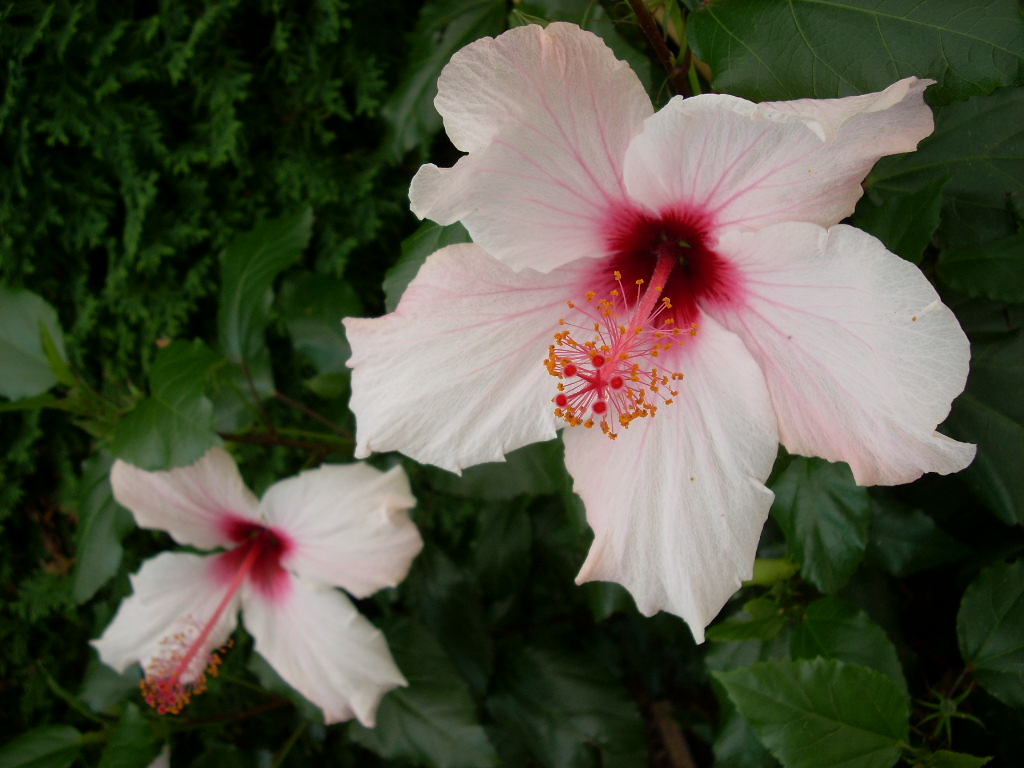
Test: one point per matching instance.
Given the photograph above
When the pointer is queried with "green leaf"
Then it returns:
(26, 371)
(424, 241)
(53, 746)
(567, 710)
(825, 517)
(172, 427)
(501, 549)
(132, 744)
(994, 271)
(443, 27)
(946, 759)
(904, 221)
(990, 630)
(979, 144)
(102, 524)
(312, 306)
(248, 269)
(834, 629)
(990, 413)
(761, 619)
(788, 49)
(102, 687)
(533, 469)
(434, 720)
(821, 712)
(905, 541)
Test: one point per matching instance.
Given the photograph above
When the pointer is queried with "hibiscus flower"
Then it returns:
(675, 281)
(344, 526)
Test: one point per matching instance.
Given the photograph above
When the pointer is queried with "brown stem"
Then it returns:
(672, 738)
(676, 75)
(313, 415)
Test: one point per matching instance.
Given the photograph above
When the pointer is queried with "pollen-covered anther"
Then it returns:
(605, 362)
(180, 670)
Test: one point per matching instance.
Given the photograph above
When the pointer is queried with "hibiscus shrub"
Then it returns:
(196, 194)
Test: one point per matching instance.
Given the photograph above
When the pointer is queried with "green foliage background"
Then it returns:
(201, 190)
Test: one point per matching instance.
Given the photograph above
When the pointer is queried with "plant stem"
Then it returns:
(676, 74)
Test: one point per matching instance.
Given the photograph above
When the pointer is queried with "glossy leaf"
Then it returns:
(424, 241)
(565, 709)
(102, 524)
(444, 26)
(904, 541)
(52, 746)
(825, 517)
(990, 630)
(990, 412)
(312, 306)
(434, 720)
(821, 712)
(26, 371)
(904, 221)
(834, 629)
(786, 49)
(993, 271)
(132, 744)
(979, 145)
(174, 425)
(248, 269)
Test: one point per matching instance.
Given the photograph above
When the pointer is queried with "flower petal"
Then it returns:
(191, 503)
(324, 648)
(677, 502)
(861, 357)
(173, 596)
(752, 165)
(546, 115)
(348, 525)
(455, 376)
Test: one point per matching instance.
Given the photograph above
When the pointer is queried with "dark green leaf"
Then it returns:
(980, 145)
(174, 426)
(761, 619)
(821, 712)
(904, 221)
(990, 413)
(444, 26)
(132, 744)
(533, 469)
(424, 241)
(102, 687)
(994, 271)
(248, 269)
(26, 371)
(434, 720)
(567, 710)
(787, 49)
(990, 629)
(311, 307)
(905, 541)
(501, 549)
(946, 759)
(53, 746)
(825, 517)
(102, 523)
(834, 629)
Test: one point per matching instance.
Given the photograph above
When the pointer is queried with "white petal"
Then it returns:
(173, 594)
(191, 503)
(752, 165)
(677, 502)
(324, 648)
(546, 115)
(861, 357)
(455, 376)
(348, 525)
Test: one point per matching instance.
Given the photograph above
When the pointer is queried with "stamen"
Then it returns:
(605, 367)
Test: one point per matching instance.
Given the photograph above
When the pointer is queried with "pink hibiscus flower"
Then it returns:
(344, 526)
(675, 280)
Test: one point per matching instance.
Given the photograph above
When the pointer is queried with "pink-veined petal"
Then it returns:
(455, 376)
(174, 596)
(861, 357)
(191, 503)
(752, 165)
(677, 501)
(348, 525)
(325, 649)
(546, 115)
